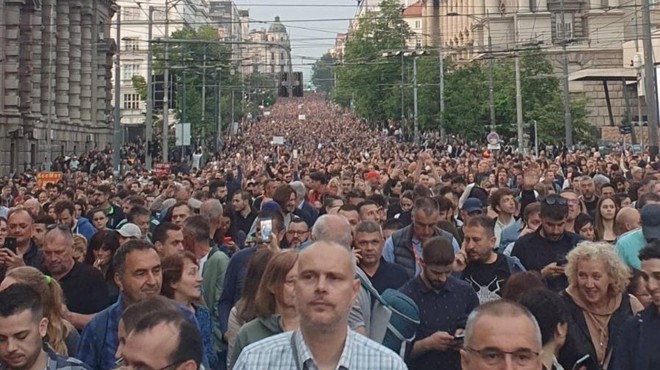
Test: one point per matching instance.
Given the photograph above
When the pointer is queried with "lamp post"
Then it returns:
(414, 54)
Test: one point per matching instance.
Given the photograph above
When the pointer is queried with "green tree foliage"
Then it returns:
(323, 73)
(381, 88)
(366, 79)
(204, 48)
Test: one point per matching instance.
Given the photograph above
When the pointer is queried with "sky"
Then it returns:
(312, 25)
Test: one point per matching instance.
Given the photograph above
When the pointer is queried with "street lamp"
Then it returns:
(414, 54)
(485, 22)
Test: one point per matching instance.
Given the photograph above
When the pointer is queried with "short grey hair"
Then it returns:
(501, 308)
(299, 188)
(211, 208)
(333, 228)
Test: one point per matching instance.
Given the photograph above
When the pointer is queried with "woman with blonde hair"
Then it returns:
(61, 335)
(274, 304)
(598, 302)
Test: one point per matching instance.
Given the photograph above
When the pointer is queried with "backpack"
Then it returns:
(394, 319)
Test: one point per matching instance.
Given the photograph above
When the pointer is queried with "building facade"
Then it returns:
(266, 51)
(134, 48)
(55, 66)
(594, 31)
(232, 23)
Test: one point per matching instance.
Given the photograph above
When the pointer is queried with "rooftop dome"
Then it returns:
(277, 26)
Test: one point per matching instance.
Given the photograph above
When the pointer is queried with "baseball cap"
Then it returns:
(130, 230)
(650, 216)
(472, 205)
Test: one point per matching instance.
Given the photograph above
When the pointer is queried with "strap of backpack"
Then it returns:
(372, 291)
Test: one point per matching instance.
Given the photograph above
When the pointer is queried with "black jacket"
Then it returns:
(640, 337)
(578, 341)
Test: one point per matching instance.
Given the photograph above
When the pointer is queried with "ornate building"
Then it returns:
(62, 77)
(266, 50)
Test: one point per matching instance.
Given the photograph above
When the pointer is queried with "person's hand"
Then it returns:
(231, 247)
(552, 270)
(441, 341)
(460, 261)
(526, 231)
(530, 179)
(357, 255)
(10, 259)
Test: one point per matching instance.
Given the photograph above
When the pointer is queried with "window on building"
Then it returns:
(132, 44)
(418, 24)
(281, 56)
(130, 13)
(418, 43)
(129, 70)
(272, 56)
(131, 101)
(565, 31)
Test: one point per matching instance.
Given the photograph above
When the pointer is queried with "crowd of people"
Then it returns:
(283, 251)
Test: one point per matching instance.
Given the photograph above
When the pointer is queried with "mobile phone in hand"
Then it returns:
(579, 363)
(10, 243)
(266, 225)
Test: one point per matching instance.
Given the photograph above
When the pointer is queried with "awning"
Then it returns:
(604, 74)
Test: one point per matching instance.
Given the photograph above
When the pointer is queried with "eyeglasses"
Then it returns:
(494, 356)
(552, 200)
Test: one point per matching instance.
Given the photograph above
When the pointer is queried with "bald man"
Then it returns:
(627, 219)
(325, 290)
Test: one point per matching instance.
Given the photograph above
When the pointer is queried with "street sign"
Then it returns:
(493, 138)
(625, 130)
(183, 134)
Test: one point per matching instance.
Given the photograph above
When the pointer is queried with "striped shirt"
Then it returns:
(288, 351)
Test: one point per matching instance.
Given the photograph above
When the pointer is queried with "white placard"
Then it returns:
(278, 140)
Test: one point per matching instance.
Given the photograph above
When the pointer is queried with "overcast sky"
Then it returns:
(312, 24)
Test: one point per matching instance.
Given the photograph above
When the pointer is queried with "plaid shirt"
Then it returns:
(288, 351)
(57, 362)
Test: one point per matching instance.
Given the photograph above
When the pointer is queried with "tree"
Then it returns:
(367, 80)
(323, 73)
(206, 64)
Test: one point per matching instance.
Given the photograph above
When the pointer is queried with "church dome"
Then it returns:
(277, 26)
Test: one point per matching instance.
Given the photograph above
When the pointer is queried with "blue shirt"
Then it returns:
(99, 339)
(628, 247)
(388, 250)
(233, 284)
(445, 310)
(288, 351)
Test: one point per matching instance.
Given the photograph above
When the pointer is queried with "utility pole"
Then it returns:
(150, 91)
(415, 99)
(441, 66)
(491, 92)
(116, 125)
(649, 82)
(49, 122)
(204, 88)
(183, 115)
(568, 120)
(219, 129)
(166, 87)
(519, 108)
